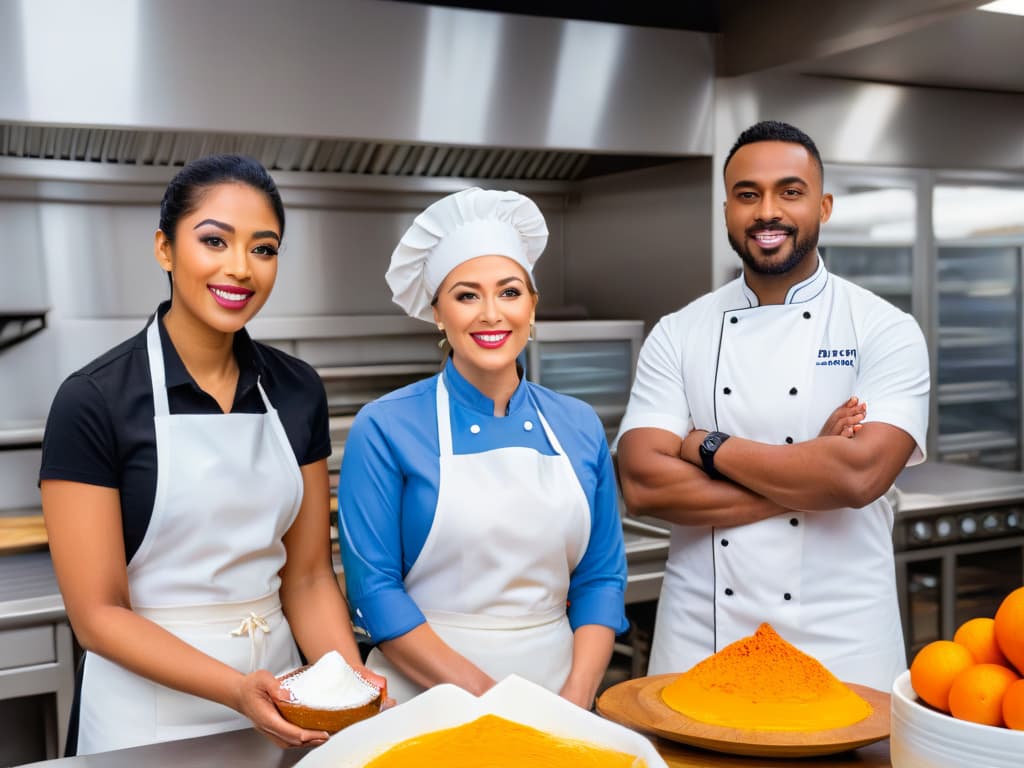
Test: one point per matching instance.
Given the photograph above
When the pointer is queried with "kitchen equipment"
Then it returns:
(923, 737)
(949, 250)
(447, 706)
(593, 360)
(37, 659)
(959, 544)
(979, 359)
(637, 704)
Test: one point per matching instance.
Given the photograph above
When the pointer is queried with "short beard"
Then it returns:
(800, 251)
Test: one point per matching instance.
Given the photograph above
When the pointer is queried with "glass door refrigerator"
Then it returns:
(979, 231)
(949, 251)
(871, 236)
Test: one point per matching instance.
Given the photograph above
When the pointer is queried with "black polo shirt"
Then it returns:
(100, 428)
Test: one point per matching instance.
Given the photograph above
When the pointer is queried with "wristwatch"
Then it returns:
(712, 443)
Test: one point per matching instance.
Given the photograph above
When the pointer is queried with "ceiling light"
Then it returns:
(1014, 7)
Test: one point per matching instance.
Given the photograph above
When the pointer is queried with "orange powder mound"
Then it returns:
(763, 683)
(499, 743)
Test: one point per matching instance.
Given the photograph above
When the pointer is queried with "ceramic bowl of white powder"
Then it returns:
(328, 695)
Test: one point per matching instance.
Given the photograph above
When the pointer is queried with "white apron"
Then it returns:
(228, 488)
(510, 526)
(797, 570)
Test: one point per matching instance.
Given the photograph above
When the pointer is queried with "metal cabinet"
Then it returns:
(36, 650)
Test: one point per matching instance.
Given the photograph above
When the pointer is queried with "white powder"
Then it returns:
(329, 684)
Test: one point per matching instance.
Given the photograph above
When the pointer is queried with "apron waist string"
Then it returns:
(238, 619)
(489, 621)
(255, 626)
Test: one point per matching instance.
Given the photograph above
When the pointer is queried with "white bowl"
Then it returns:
(447, 706)
(922, 737)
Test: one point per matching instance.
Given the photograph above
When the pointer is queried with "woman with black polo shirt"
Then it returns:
(184, 486)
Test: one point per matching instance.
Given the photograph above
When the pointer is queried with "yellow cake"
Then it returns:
(499, 743)
(764, 683)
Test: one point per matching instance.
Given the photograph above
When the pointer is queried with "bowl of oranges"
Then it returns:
(962, 702)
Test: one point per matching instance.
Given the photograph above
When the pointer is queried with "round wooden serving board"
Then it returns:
(638, 704)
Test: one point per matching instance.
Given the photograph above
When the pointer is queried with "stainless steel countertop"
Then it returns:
(243, 748)
(247, 748)
(936, 486)
(28, 590)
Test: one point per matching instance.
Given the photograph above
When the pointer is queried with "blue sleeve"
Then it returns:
(597, 588)
(369, 530)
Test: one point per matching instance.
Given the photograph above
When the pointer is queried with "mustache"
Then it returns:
(770, 226)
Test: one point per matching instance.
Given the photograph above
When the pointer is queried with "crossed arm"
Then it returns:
(849, 464)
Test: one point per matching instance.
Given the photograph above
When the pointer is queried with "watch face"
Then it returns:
(711, 442)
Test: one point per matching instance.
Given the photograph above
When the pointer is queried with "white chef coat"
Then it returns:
(774, 373)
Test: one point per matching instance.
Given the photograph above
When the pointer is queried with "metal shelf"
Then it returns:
(976, 392)
(976, 441)
(15, 327)
(27, 436)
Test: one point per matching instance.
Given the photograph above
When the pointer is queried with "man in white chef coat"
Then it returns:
(741, 433)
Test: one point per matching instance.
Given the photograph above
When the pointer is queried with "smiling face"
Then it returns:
(223, 258)
(486, 308)
(774, 209)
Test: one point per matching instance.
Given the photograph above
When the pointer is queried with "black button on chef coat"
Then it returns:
(100, 428)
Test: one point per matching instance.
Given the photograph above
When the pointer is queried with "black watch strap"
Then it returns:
(708, 447)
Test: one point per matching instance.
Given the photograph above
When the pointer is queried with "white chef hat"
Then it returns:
(457, 228)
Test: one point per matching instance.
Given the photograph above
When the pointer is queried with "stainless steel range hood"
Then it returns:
(332, 156)
(351, 86)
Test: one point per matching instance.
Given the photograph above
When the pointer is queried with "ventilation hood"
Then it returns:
(328, 156)
(349, 86)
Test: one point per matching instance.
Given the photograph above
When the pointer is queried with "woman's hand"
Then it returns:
(255, 699)
(379, 681)
(845, 421)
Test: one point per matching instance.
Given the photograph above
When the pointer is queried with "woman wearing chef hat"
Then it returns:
(479, 513)
(184, 486)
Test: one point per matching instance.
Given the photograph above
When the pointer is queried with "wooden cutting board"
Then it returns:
(22, 534)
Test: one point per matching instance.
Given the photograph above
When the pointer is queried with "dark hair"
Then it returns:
(774, 130)
(185, 192)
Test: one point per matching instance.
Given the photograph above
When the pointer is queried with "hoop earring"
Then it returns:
(441, 342)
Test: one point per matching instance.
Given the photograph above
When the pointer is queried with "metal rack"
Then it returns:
(15, 327)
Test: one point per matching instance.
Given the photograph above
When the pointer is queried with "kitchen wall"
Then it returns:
(100, 280)
(639, 243)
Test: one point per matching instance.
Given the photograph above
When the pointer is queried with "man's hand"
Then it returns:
(845, 421)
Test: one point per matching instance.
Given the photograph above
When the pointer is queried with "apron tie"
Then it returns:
(249, 625)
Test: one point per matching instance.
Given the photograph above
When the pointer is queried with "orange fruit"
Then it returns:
(934, 668)
(1010, 627)
(1013, 706)
(977, 693)
(979, 637)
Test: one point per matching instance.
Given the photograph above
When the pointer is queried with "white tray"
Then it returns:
(447, 706)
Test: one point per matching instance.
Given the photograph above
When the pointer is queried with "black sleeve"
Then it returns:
(319, 427)
(79, 442)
